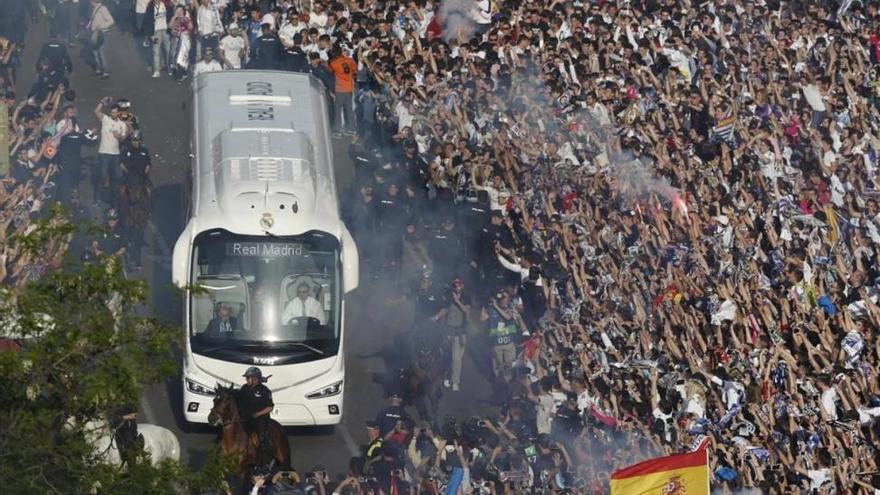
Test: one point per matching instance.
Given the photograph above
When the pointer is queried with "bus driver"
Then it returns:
(304, 304)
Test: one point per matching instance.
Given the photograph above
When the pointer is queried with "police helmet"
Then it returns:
(253, 371)
(112, 214)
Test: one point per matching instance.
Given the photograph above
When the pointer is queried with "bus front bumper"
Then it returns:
(308, 412)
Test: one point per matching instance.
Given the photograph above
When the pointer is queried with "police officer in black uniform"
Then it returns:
(391, 214)
(295, 59)
(129, 442)
(48, 80)
(446, 249)
(567, 424)
(429, 300)
(111, 242)
(267, 50)
(134, 194)
(364, 159)
(387, 418)
(484, 255)
(56, 53)
(70, 161)
(255, 406)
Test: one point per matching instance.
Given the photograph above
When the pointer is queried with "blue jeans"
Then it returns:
(162, 46)
(99, 52)
(817, 118)
(106, 176)
(343, 112)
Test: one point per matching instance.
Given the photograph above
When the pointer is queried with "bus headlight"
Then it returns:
(197, 388)
(329, 391)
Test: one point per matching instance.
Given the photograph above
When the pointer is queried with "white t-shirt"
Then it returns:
(545, 409)
(160, 22)
(733, 392)
(483, 14)
(297, 308)
(140, 7)
(231, 47)
(287, 32)
(318, 20)
(203, 66)
(818, 477)
(829, 402)
(109, 127)
(207, 18)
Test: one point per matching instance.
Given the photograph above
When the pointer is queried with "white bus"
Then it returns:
(265, 257)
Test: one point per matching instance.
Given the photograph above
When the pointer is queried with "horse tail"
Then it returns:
(174, 451)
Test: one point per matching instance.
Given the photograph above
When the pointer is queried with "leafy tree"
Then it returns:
(84, 353)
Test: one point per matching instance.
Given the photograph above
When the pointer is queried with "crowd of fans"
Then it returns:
(682, 245)
(657, 219)
(46, 149)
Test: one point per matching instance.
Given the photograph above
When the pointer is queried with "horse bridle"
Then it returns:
(224, 422)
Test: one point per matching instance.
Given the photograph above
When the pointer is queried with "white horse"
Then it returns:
(160, 443)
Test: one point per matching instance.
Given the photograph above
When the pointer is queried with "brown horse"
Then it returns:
(422, 386)
(420, 380)
(234, 438)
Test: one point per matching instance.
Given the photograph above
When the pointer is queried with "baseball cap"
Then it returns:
(372, 425)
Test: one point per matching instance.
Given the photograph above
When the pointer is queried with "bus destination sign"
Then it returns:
(264, 249)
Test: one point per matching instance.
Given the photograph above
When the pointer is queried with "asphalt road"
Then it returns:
(163, 107)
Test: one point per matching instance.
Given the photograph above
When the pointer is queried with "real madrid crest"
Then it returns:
(266, 222)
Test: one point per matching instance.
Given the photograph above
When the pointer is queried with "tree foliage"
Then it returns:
(84, 353)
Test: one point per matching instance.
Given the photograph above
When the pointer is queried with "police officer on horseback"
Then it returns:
(129, 443)
(256, 405)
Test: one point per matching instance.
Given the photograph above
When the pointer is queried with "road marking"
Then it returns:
(163, 244)
(148, 410)
(349, 441)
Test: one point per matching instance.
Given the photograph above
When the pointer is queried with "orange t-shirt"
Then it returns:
(344, 68)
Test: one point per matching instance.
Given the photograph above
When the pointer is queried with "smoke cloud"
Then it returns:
(457, 19)
(634, 179)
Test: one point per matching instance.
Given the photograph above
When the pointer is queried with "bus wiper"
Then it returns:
(215, 348)
(300, 344)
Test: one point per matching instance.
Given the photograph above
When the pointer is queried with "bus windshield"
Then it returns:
(256, 295)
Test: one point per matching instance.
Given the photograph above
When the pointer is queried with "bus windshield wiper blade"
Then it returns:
(300, 344)
(216, 348)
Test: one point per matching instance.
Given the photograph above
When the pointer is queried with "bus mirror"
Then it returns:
(350, 262)
(180, 258)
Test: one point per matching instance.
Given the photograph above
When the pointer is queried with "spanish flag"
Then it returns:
(683, 474)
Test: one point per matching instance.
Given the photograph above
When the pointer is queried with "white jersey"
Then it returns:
(231, 47)
(204, 66)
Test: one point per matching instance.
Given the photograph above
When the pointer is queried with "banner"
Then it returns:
(683, 474)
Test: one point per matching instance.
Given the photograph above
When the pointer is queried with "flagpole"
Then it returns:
(708, 473)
